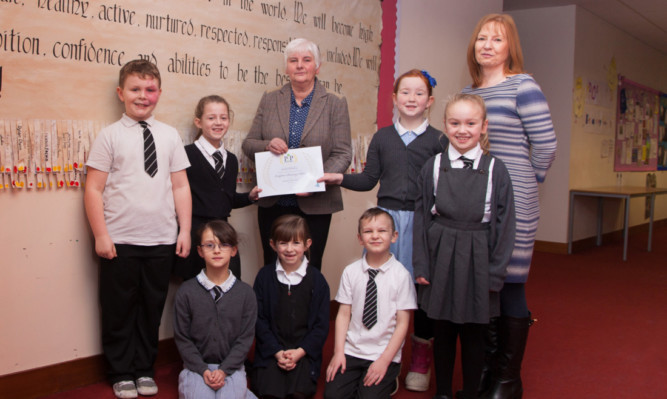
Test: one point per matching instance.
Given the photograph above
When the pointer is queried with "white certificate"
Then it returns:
(295, 171)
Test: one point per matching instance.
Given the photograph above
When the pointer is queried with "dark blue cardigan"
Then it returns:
(266, 331)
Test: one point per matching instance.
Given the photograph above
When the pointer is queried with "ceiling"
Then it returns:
(645, 20)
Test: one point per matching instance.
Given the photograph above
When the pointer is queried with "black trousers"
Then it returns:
(318, 225)
(133, 290)
(472, 355)
(351, 383)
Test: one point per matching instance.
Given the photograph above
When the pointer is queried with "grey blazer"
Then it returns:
(327, 125)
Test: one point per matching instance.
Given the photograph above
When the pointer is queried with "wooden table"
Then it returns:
(621, 192)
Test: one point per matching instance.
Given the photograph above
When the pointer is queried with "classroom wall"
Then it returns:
(561, 45)
(597, 43)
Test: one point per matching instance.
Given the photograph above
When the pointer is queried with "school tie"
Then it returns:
(467, 163)
(218, 293)
(150, 157)
(408, 137)
(370, 316)
(219, 165)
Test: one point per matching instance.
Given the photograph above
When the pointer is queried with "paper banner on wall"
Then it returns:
(230, 48)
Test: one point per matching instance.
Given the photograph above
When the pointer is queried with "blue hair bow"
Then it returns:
(431, 79)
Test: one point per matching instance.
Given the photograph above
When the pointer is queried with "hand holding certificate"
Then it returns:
(295, 171)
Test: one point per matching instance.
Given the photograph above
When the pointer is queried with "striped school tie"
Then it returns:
(370, 316)
(218, 293)
(467, 163)
(219, 165)
(150, 156)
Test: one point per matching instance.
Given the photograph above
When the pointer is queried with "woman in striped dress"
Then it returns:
(522, 136)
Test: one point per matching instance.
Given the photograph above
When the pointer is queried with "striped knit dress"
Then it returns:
(522, 136)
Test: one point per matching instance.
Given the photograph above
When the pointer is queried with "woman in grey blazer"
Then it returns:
(302, 114)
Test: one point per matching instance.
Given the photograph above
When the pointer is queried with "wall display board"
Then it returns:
(662, 133)
(636, 127)
(59, 63)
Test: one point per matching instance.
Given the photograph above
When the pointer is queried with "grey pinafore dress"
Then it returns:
(458, 243)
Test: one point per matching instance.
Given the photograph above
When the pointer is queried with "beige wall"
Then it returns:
(547, 40)
(48, 287)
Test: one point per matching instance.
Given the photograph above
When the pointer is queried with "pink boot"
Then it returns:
(419, 374)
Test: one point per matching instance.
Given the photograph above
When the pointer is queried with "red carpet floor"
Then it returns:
(601, 329)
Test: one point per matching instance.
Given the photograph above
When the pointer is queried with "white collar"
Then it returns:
(419, 130)
(365, 266)
(301, 271)
(129, 122)
(473, 154)
(203, 144)
(208, 284)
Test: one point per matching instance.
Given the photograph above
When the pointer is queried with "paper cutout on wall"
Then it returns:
(579, 97)
(360, 147)
(232, 142)
(5, 156)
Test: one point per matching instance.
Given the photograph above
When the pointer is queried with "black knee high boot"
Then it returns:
(512, 337)
(491, 341)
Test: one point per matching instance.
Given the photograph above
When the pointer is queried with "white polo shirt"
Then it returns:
(395, 291)
(138, 209)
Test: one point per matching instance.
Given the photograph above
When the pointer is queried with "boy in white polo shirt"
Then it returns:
(376, 295)
(139, 208)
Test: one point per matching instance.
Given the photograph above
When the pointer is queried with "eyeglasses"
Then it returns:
(209, 246)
